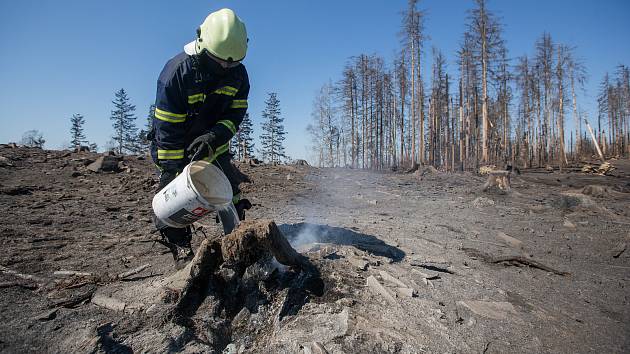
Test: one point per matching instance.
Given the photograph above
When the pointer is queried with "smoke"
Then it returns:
(330, 199)
(307, 234)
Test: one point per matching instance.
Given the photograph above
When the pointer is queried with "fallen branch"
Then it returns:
(512, 261)
(599, 151)
(137, 270)
(76, 300)
(516, 260)
(71, 273)
(25, 285)
(12, 272)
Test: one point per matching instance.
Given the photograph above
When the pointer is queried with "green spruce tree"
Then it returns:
(273, 134)
(77, 137)
(124, 123)
(243, 142)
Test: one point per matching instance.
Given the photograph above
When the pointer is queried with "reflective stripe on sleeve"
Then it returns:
(220, 150)
(226, 90)
(170, 117)
(239, 104)
(228, 124)
(200, 97)
(170, 154)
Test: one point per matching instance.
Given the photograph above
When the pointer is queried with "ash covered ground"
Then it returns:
(404, 263)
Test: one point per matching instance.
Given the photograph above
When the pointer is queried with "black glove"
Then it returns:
(201, 146)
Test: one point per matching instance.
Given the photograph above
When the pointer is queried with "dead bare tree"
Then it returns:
(380, 121)
(485, 30)
(413, 39)
(577, 80)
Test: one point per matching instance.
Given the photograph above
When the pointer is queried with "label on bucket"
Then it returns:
(186, 217)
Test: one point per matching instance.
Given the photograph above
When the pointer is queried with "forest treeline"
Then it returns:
(497, 110)
(127, 138)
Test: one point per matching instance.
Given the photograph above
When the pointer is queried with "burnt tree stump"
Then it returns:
(499, 179)
(253, 239)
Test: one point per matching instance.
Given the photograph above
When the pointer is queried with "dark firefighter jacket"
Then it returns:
(195, 95)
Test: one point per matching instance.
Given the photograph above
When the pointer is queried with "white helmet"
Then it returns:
(223, 35)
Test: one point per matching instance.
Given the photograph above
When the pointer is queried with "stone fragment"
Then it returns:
(315, 348)
(391, 279)
(510, 241)
(379, 289)
(481, 202)
(500, 310)
(108, 302)
(595, 190)
(322, 327)
(359, 263)
(5, 162)
(568, 224)
(47, 316)
(406, 292)
(570, 200)
(619, 249)
(104, 164)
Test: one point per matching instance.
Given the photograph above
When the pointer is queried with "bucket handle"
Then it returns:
(194, 158)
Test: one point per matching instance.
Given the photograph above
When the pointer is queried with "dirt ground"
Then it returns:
(422, 262)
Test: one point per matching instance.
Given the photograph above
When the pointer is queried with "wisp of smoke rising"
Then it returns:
(309, 233)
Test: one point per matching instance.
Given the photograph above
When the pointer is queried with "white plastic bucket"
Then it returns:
(201, 188)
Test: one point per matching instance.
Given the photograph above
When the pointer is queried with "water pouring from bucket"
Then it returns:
(198, 190)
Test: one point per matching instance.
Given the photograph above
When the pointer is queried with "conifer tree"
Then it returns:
(123, 121)
(77, 137)
(273, 131)
(143, 136)
(242, 143)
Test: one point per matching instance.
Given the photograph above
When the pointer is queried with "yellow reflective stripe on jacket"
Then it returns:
(220, 150)
(226, 90)
(170, 154)
(200, 97)
(239, 104)
(170, 117)
(228, 124)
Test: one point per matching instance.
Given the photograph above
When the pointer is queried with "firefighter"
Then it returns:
(200, 102)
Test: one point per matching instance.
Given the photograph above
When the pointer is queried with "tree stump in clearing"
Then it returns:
(499, 179)
(249, 242)
(253, 239)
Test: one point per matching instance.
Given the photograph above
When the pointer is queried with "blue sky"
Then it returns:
(63, 57)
